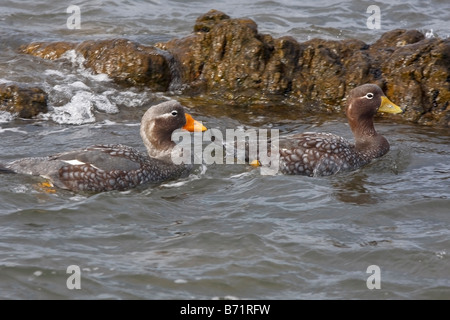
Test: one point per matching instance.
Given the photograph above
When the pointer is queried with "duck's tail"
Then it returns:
(4, 169)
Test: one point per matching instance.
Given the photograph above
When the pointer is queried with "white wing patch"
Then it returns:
(74, 162)
(80, 163)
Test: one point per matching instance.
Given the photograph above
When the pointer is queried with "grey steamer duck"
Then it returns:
(324, 154)
(117, 167)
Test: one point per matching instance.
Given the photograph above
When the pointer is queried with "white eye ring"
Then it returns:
(174, 113)
(369, 95)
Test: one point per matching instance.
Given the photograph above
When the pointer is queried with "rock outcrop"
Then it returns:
(22, 100)
(124, 61)
(230, 60)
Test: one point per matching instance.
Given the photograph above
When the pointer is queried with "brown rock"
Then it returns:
(418, 76)
(47, 50)
(124, 61)
(22, 100)
(208, 59)
(127, 62)
(228, 59)
(205, 22)
(397, 38)
(329, 69)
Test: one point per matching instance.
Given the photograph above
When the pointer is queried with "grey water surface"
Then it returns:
(226, 231)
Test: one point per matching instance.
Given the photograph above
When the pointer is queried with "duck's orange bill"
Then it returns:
(193, 125)
(388, 106)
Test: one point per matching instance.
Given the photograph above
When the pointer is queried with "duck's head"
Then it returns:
(158, 124)
(364, 102)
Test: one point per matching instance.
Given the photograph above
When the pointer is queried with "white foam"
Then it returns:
(50, 72)
(79, 85)
(105, 123)
(78, 111)
(45, 133)
(100, 77)
(240, 175)
(441, 254)
(192, 177)
(21, 189)
(175, 184)
(180, 281)
(83, 102)
(102, 103)
(6, 116)
(429, 34)
(78, 198)
(129, 99)
(75, 58)
(17, 130)
(74, 95)
(78, 60)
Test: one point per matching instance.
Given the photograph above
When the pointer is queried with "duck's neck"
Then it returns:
(158, 143)
(367, 140)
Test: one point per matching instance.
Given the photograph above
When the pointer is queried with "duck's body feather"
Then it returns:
(318, 154)
(100, 168)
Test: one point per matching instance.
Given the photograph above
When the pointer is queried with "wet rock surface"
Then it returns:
(124, 61)
(25, 101)
(228, 59)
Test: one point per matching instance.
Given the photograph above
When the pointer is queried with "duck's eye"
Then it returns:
(174, 113)
(369, 95)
